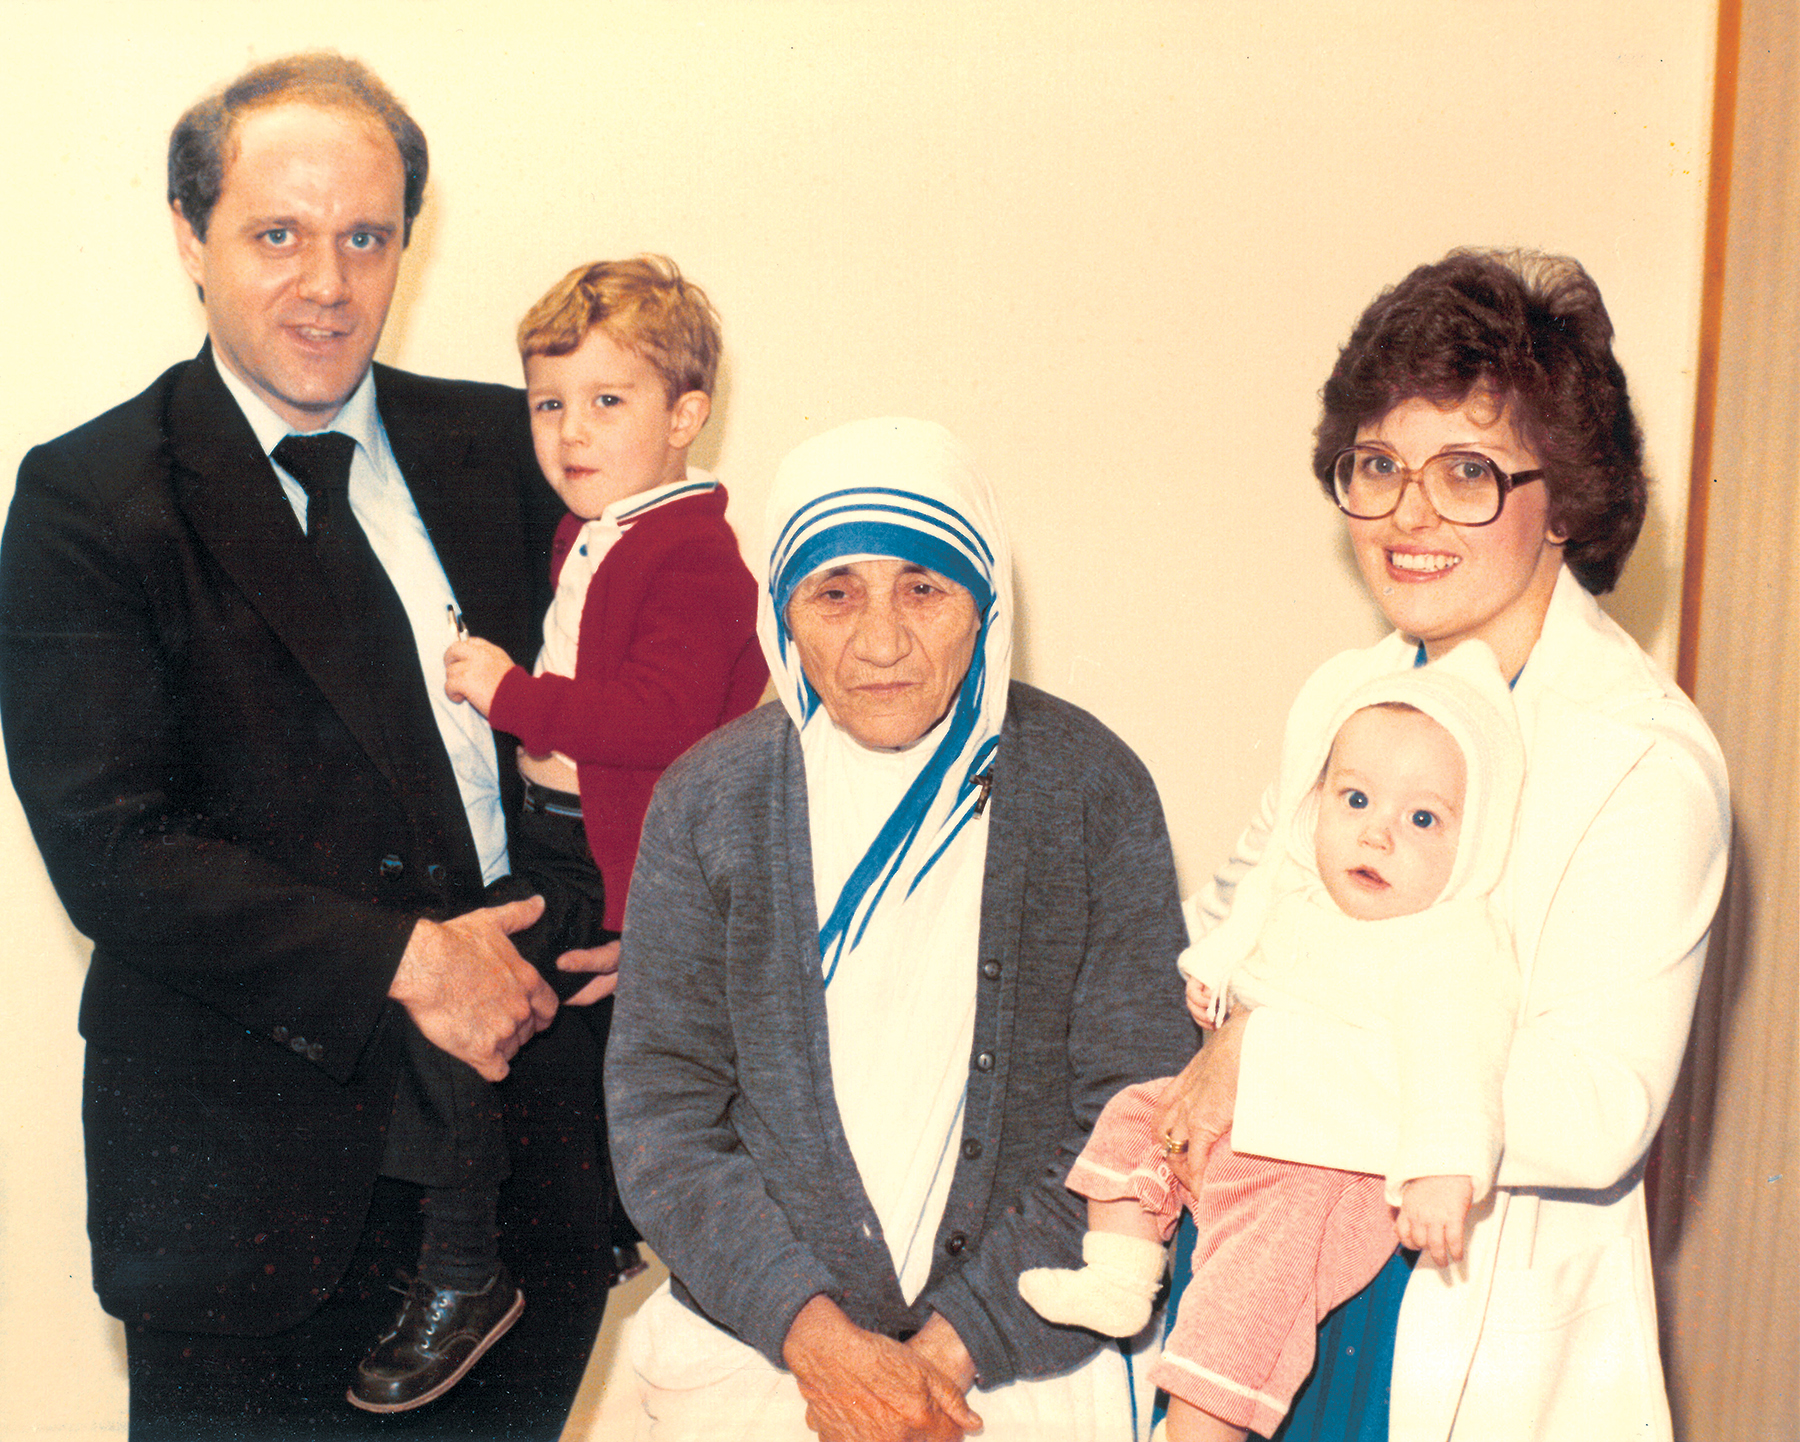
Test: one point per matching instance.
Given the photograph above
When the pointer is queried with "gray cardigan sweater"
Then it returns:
(725, 1132)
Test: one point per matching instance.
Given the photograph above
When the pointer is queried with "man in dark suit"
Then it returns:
(252, 794)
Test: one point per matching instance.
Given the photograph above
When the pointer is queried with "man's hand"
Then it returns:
(473, 669)
(603, 961)
(863, 1387)
(1434, 1214)
(468, 989)
(1195, 1108)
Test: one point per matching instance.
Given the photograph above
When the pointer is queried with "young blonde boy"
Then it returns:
(649, 643)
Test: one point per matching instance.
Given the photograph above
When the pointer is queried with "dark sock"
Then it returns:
(461, 1247)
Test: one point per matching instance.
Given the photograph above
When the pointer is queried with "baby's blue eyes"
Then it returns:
(1356, 800)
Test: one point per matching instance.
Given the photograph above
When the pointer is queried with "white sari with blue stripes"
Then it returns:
(899, 847)
(898, 842)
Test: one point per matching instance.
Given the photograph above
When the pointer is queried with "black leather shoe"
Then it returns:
(439, 1334)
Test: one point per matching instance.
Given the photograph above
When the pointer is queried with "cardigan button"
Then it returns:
(955, 1243)
(984, 1062)
(990, 969)
(436, 872)
(971, 1147)
(390, 867)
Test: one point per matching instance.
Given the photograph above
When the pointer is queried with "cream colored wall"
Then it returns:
(1115, 247)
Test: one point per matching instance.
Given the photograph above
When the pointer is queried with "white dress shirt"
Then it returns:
(384, 508)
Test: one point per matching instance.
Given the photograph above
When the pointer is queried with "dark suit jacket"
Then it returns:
(219, 813)
(667, 653)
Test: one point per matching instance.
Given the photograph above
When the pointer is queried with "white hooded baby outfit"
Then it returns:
(1280, 1244)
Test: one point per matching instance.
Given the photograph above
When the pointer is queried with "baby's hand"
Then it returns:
(1199, 1004)
(1433, 1214)
(472, 671)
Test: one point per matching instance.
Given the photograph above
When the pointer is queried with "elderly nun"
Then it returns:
(891, 946)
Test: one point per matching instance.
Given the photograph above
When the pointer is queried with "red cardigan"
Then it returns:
(667, 653)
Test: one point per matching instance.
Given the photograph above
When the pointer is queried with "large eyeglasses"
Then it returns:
(1463, 487)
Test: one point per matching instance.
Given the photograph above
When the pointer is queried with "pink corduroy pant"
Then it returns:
(1279, 1246)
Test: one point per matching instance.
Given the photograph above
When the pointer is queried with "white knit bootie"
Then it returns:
(1111, 1294)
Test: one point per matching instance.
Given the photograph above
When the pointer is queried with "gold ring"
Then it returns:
(1171, 1147)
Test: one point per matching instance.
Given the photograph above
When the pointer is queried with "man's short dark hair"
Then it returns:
(199, 144)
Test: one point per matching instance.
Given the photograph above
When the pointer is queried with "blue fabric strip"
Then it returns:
(966, 804)
(1346, 1398)
(885, 521)
(907, 502)
(1130, 1382)
(871, 537)
(881, 862)
(1419, 659)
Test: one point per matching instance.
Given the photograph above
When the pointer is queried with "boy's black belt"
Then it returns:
(551, 801)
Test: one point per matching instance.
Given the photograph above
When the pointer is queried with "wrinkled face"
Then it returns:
(602, 425)
(301, 255)
(1441, 583)
(1390, 813)
(886, 644)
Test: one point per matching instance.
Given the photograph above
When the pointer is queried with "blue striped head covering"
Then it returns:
(909, 490)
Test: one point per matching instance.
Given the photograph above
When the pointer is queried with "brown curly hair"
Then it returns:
(1529, 333)
(646, 305)
(198, 145)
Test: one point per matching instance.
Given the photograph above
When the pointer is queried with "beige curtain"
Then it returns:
(1728, 1203)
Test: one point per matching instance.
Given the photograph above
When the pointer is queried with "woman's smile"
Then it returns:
(1441, 583)
(1421, 565)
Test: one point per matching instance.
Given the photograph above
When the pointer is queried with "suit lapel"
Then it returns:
(227, 488)
(474, 522)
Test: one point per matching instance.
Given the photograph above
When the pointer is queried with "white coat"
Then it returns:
(1548, 1330)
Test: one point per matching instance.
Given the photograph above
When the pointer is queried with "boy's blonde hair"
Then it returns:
(644, 305)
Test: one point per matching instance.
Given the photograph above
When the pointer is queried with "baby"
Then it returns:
(1370, 903)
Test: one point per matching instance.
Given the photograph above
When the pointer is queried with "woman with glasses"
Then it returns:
(1478, 436)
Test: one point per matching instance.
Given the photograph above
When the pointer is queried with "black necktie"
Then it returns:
(376, 634)
(321, 463)
(376, 630)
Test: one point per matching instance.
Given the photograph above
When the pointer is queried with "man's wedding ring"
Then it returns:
(1171, 1147)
